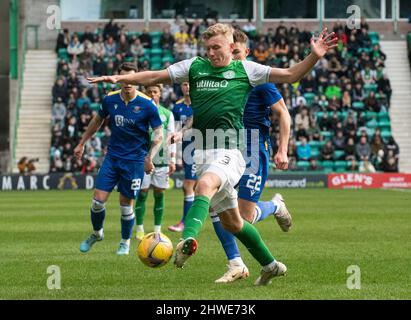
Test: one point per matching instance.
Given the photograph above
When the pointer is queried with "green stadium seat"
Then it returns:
(384, 125)
(309, 97)
(339, 154)
(315, 153)
(372, 124)
(156, 66)
(383, 116)
(322, 143)
(370, 87)
(141, 59)
(386, 134)
(326, 134)
(319, 115)
(99, 134)
(315, 144)
(95, 106)
(168, 59)
(303, 165)
(63, 54)
(156, 52)
(328, 165)
(132, 34)
(374, 36)
(358, 105)
(370, 115)
(340, 166)
(155, 59)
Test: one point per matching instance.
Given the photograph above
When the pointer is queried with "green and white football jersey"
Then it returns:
(218, 96)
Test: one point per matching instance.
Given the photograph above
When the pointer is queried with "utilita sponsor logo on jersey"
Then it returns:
(209, 84)
(352, 178)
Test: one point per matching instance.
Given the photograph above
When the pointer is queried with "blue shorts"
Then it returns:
(252, 183)
(189, 169)
(126, 174)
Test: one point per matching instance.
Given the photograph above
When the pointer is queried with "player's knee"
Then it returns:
(127, 212)
(97, 206)
(205, 187)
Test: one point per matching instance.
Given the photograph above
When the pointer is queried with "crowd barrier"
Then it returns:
(69, 181)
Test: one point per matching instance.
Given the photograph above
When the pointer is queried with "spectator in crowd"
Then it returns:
(58, 113)
(111, 29)
(302, 119)
(88, 35)
(99, 47)
(75, 47)
(372, 103)
(26, 166)
(110, 47)
(363, 149)
(366, 166)
(350, 150)
(338, 140)
(59, 91)
(167, 39)
(303, 150)
(261, 54)
(390, 162)
(63, 40)
(327, 151)
(314, 166)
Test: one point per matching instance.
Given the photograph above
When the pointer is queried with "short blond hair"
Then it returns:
(217, 29)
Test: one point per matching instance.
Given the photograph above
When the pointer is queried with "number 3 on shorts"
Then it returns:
(135, 184)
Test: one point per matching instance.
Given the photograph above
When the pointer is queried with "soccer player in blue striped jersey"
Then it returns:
(130, 114)
(183, 115)
(262, 101)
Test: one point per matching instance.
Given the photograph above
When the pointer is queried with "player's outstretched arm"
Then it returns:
(92, 128)
(281, 112)
(319, 47)
(145, 78)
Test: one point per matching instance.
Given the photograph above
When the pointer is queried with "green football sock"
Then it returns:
(252, 240)
(140, 207)
(196, 216)
(158, 207)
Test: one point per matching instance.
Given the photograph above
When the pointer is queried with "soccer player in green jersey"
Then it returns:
(219, 91)
(165, 165)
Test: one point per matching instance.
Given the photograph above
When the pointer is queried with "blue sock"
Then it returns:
(98, 214)
(127, 222)
(226, 238)
(264, 209)
(188, 201)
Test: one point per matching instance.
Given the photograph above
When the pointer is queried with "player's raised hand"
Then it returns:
(281, 160)
(78, 151)
(324, 42)
(109, 79)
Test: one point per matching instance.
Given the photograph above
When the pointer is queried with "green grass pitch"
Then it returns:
(332, 230)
